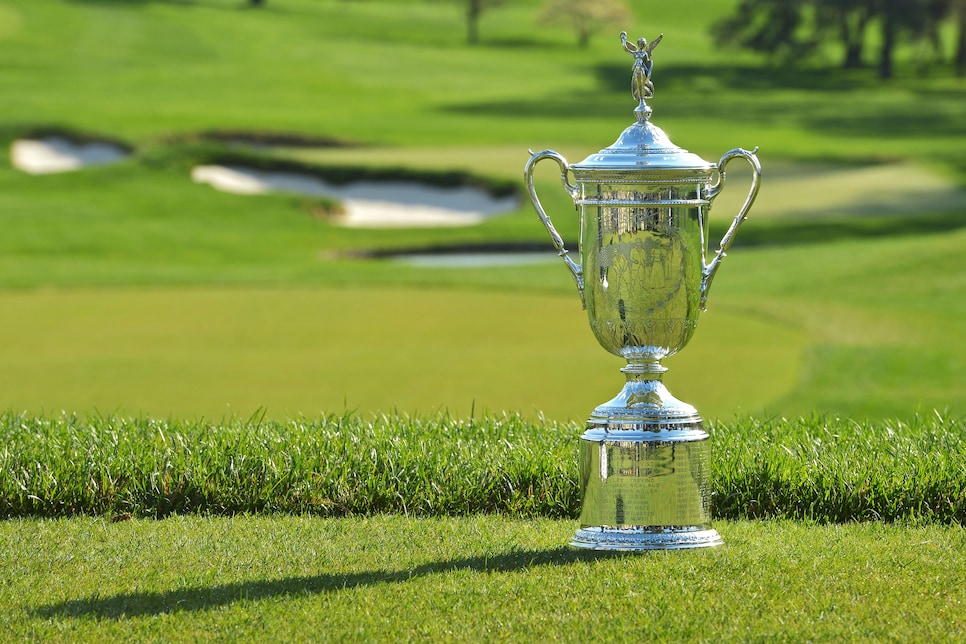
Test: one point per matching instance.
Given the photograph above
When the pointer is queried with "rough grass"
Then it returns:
(817, 469)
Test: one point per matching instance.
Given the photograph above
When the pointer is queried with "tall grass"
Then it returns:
(337, 465)
(822, 469)
(839, 470)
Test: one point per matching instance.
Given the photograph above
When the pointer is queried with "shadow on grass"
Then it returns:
(139, 604)
(230, 5)
(831, 101)
(774, 232)
(799, 231)
(682, 76)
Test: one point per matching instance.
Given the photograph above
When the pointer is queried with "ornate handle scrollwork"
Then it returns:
(573, 191)
(711, 268)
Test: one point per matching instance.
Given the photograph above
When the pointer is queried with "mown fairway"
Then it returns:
(472, 579)
(127, 291)
(372, 74)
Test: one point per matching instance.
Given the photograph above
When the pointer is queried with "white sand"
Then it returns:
(367, 204)
(57, 154)
(793, 190)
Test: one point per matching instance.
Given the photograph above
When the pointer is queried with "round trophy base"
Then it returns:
(644, 461)
(644, 538)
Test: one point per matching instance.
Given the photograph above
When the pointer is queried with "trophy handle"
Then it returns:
(573, 191)
(710, 269)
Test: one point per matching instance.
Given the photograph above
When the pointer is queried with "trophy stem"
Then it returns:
(644, 461)
(644, 366)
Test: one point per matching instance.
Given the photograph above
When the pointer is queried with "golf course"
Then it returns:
(287, 355)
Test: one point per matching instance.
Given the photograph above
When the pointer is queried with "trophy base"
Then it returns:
(644, 461)
(645, 538)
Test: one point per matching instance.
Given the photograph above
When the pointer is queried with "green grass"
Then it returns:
(205, 352)
(470, 579)
(373, 72)
(130, 295)
(865, 326)
(855, 315)
(859, 328)
(815, 468)
(297, 577)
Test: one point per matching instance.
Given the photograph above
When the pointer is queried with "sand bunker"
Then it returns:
(367, 204)
(56, 154)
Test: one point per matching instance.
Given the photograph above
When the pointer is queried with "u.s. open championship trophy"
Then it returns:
(643, 275)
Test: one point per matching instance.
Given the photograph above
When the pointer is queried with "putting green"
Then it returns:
(216, 352)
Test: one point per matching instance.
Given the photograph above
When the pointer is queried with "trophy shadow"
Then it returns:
(141, 604)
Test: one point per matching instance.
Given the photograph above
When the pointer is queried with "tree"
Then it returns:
(849, 18)
(770, 27)
(889, 21)
(959, 59)
(791, 30)
(474, 8)
(586, 17)
(918, 18)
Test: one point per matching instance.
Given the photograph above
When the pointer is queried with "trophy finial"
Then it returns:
(641, 85)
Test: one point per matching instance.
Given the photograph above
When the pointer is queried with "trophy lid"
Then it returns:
(643, 145)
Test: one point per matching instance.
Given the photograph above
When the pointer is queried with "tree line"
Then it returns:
(789, 31)
(585, 17)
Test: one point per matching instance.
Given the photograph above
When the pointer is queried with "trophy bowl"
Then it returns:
(643, 277)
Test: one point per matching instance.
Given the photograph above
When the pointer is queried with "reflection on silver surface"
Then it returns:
(643, 276)
(643, 291)
(645, 484)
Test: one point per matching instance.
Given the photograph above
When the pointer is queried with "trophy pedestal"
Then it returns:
(644, 462)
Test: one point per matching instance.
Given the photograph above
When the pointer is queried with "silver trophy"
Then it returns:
(643, 277)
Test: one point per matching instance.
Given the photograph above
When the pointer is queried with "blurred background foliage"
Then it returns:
(131, 287)
(787, 32)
